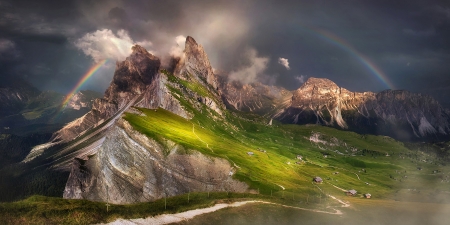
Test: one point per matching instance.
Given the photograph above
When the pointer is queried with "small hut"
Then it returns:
(351, 192)
(299, 157)
(318, 180)
(367, 195)
(250, 153)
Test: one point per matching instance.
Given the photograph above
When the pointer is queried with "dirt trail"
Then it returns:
(184, 216)
(337, 187)
(193, 131)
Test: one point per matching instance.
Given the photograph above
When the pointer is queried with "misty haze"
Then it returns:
(224, 112)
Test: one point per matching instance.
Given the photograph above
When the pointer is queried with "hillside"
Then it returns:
(159, 133)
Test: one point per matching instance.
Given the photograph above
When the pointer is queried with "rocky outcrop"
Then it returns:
(424, 115)
(194, 66)
(399, 114)
(321, 101)
(137, 82)
(129, 168)
(195, 62)
(131, 78)
(255, 97)
(82, 99)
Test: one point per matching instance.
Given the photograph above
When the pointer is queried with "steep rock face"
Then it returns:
(322, 101)
(137, 82)
(424, 114)
(83, 99)
(132, 76)
(254, 97)
(142, 172)
(399, 114)
(131, 79)
(196, 62)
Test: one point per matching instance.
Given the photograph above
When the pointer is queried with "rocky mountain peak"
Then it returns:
(318, 85)
(397, 113)
(133, 74)
(139, 49)
(190, 41)
(322, 82)
(196, 63)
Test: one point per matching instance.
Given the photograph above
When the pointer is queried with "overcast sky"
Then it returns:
(362, 45)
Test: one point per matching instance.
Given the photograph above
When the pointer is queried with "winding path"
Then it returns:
(193, 131)
(184, 216)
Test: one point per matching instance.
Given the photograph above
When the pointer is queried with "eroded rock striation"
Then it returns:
(129, 167)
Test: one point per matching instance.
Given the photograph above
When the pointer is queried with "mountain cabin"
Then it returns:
(318, 180)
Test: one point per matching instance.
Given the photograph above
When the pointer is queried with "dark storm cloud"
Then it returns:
(407, 40)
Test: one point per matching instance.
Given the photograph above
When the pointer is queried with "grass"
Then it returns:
(268, 171)
(359, 159)
(50, 210)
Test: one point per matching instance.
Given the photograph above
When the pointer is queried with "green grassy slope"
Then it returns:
(370, 164)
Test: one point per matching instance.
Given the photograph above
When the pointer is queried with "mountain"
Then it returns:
(82, 100)
(42, 111)
(161, 132)
(14, 94)
(255, 97)
(399, 114)
(109, 160)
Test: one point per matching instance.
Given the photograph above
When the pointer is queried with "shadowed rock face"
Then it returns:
(254, 97)
(133, 75)
(131, 78)
(400, 114)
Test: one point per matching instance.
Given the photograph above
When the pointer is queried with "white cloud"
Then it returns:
(177, 50)
(104, 44)
(249, 73)
(301, 78)
(284, 62)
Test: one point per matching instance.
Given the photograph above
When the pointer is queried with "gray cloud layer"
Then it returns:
(408, 40)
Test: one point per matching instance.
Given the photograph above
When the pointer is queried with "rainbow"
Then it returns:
(83, 79)
(341, 43)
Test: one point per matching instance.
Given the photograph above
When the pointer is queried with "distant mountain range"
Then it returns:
(26, 110)
(397, 113)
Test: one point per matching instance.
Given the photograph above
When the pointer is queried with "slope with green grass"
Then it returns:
(370, 164)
